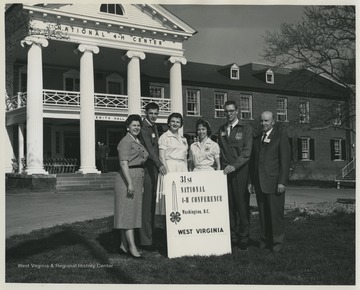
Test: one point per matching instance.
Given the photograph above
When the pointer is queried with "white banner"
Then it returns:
(197, 213)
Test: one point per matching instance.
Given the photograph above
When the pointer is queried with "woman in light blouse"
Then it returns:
(173, 149)
(204, 153)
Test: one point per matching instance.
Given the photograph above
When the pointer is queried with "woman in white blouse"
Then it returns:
(173, 149)
(204, 153)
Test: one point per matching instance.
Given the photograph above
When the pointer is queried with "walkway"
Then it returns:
(28, 211)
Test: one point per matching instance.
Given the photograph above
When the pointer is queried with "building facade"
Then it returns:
(74, 73)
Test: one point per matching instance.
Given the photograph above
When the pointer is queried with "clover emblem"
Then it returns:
(175, 217)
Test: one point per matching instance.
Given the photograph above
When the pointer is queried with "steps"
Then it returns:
(84, 182)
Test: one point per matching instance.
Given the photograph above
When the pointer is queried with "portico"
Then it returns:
(84, 68)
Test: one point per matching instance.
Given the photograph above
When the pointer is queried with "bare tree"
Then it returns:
(324, 43)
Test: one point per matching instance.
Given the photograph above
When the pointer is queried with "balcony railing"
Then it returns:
(16, 102)
(164, 104)
(64, 98)
(111, 101)
(72, 99)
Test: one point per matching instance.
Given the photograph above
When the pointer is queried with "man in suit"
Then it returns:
(269, 172)
(235, 141)
(103, 154)
(149, 136)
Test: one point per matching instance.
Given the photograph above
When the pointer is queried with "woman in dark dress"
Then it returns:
(129, 185)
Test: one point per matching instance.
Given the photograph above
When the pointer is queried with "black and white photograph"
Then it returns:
(179, 144)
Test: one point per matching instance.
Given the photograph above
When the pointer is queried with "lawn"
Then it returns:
(319, 250)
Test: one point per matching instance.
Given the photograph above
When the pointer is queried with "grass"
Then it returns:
(318, 250)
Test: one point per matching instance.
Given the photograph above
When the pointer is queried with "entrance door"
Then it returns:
(72, 145)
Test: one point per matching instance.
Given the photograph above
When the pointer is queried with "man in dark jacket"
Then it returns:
(103, 154)
(235, 141)
(149, 136)
(269, 172)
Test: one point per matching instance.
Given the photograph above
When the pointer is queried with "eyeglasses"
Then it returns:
(229, 111)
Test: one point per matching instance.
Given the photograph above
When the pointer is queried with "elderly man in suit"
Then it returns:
(149, 136)
(269, 172)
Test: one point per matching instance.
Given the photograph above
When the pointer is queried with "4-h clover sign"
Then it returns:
(175, 217)
(197, 213)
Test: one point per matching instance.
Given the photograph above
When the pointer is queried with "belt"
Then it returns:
(136, 166)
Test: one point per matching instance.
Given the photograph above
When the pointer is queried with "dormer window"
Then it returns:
(269, 76)
(112, 9)
(234, 72)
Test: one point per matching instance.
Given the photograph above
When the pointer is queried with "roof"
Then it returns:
(252, 78)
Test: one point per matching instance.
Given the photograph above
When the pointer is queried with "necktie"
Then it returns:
(156, 131)
(263, 138)
(229, 130)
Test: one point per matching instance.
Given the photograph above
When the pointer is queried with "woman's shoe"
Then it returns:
(122, 251)
(133, 256)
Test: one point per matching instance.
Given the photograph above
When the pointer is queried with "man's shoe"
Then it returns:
(262, 245)
(277, 248)
(243, 246)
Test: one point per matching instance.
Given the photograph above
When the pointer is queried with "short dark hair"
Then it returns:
(227, 103)
(175, 115)
(151, 106)
(132, 118)
(205, 124)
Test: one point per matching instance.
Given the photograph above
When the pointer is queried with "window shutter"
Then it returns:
(332, 149)
(312, 149)
(299, 148)
(291, 148)
(343, 150)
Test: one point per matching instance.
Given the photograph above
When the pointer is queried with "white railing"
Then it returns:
(111, 101)
(64, 98)
(16, 102)
(72, 99)
(164, 104)
(345, 171)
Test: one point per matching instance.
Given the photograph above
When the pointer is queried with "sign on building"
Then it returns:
(197, 214)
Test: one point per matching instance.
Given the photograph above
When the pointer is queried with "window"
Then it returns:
(269, 76)
(71, 81)
(245, 106)
(156, 92)
(193, 102)
(234, 72)
(337, 149)
(281, 111)
(304, 108)
(337, 109)
(306, 149)
(220, 99)
(112, 9)
(114, 84)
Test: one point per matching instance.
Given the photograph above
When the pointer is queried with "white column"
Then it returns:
(34, 105)
(87, 110)
(9, 148)
(133, 81)
(21, 147)
(176, 84)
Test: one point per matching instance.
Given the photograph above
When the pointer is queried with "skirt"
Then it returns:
(128, 211)
(174, 166)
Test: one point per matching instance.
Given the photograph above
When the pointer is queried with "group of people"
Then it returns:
(253, 163)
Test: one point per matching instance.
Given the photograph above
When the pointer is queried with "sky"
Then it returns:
(231, 33)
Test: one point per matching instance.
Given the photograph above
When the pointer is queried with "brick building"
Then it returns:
(305, 105)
